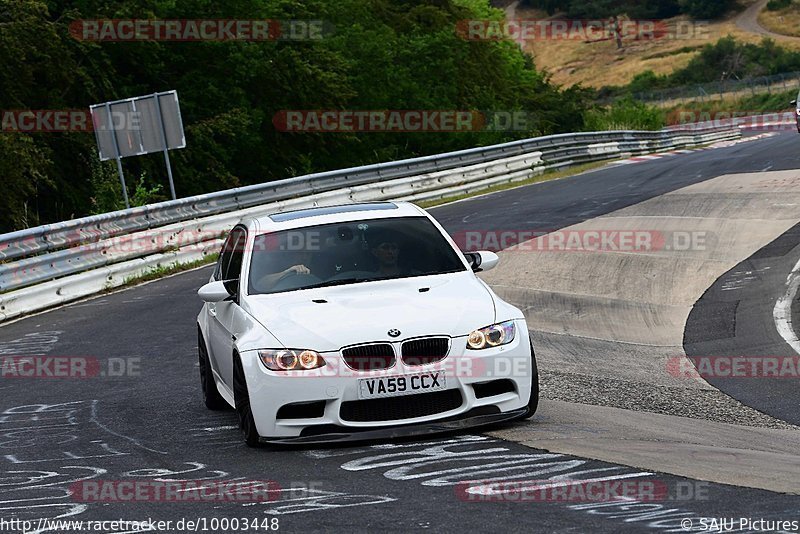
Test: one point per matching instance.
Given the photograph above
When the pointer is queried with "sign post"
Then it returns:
(118, 158)
(137, 126)
(163, 133)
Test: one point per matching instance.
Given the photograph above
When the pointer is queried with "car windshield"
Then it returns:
(349, 252)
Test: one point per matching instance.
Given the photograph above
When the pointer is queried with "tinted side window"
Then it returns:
(225, 255)
(234, 271)
(231, 257)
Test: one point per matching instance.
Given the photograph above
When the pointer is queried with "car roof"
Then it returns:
(286, 220)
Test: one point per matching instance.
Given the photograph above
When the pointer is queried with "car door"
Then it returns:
(222, 314)
(797, 111)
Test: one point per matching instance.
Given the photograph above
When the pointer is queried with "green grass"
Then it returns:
(759, 103)
(667, 53)
(544, 177)
(624, 114)
(160, 271)
(768, 101)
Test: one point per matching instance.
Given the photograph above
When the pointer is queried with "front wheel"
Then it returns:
(211, 397)
(244, 411)
(533, 403)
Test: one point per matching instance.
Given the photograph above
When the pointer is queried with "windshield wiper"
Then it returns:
(338, 282)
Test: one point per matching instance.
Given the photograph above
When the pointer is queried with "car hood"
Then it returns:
(453, 304)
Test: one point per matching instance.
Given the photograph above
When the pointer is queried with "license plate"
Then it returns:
(391, 386)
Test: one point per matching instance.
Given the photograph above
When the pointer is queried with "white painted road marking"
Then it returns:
(782, 313)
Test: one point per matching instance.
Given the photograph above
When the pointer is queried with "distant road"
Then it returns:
(511, 10)
(748, 21)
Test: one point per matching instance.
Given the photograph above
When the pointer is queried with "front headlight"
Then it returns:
(491, 336)
(290, 359)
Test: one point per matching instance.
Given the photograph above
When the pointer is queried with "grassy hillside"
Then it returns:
(782, 16)
(599, 64)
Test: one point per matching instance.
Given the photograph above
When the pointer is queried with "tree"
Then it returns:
(705, 9)
(380, 54)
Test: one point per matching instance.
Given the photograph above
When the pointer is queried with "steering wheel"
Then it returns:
(295, 280)
(352, 274)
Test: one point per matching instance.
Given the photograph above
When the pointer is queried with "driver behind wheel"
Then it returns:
(297, 261)
(386, 248)
(387, 253)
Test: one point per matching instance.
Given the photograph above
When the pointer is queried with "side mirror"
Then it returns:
(232, 287)
(213, 292)
(482, 261)
(793, 103)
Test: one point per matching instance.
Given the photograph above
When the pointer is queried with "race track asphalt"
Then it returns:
(149, 423)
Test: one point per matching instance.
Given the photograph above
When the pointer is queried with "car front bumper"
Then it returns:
(334, 384)
(349, 435)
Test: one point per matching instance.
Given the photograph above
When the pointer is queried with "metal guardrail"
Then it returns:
(49, 252)
(56, 236)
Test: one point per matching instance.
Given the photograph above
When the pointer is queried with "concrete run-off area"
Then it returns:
(613, 319)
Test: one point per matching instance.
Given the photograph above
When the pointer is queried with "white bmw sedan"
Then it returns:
(358, 322)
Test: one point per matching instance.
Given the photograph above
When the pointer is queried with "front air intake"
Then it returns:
(425, 350)
(372, 357)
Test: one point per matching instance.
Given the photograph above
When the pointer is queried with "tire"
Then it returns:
(533, 403)
(244, 412)
(211, 397)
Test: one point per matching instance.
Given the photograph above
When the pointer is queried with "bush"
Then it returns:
(705, 9)
(107, 195)
(700, 9)
(625, 114)
(646, 81)
(775, 5)
(727, 59)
